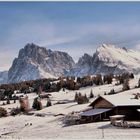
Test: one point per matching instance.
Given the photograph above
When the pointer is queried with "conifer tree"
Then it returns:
(76, 96)
(8, 100)
(37, 104)
(91, 94)
(49, 103)
(126, 85)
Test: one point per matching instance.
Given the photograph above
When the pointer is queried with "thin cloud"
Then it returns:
(76, 39)
(6, 58)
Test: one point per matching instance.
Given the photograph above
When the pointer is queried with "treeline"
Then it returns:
(7, 90)
(123, 77)
(54, 85)
(23, 86)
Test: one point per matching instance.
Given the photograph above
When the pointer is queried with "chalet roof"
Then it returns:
(92, 112)
(120, 100)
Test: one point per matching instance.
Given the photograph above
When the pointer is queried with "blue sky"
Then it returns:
(74, 27)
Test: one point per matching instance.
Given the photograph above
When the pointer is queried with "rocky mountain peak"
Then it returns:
(33, 51)
(108, 59)
(105, 47)
(86, 58)
(35, 62)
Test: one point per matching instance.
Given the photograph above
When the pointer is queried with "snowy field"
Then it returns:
(52, 127)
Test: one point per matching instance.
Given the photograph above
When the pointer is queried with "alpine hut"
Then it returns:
(108, 105)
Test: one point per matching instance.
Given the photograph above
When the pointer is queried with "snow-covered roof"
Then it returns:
(94, 112)
(121, 100)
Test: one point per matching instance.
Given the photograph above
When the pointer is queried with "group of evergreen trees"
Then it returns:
(123, 77)
(94, 80)
(81, 99)
(107, 79)
(37, 104)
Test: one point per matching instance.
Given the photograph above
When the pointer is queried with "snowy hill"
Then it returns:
(51, 125)
(36, 62)
(108, 59)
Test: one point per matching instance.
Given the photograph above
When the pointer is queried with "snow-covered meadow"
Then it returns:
(51, 126)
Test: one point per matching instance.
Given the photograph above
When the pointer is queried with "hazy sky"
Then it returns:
(74, 27)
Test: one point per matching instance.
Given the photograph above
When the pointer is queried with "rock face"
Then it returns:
(3, 77)
(36, 62)
(108, 59)
(83, 67)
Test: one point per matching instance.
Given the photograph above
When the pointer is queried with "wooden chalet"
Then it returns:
(105, 106)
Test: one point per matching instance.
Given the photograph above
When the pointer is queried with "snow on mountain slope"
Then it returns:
(108, 59)
(113, 56)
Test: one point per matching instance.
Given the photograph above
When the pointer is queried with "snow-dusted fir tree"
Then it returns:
(126, 85)
(91, 94)
(37, 104)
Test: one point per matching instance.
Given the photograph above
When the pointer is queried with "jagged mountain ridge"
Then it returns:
(108, 59)
(35, 62)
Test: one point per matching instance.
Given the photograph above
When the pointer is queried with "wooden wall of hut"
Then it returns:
(103, 104)
(130, 112)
